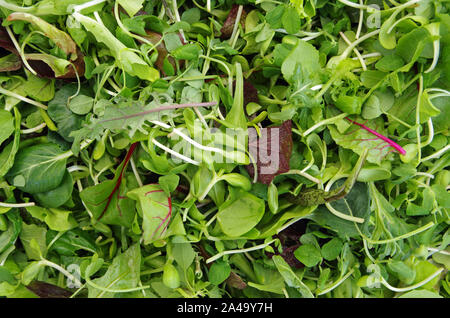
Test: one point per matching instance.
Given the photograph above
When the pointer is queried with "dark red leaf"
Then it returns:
(272, 151)
(228, 25)
(46, 290)
(5, 41)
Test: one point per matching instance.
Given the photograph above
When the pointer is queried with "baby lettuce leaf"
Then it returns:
(125, 58)
(42, 167)
(60, 38)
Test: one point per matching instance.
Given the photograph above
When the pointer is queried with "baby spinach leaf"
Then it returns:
(241, 214)
(57, 196)
(42, 166)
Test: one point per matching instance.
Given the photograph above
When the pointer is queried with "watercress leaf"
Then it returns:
(219, 272)
(332, 249)
(291, 20)
(187, 52)
(308, 254)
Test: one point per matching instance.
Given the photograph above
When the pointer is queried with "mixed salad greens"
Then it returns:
(137, 143)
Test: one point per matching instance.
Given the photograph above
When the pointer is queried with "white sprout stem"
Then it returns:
(177, 18)
(303, 174)
(176, 154)
(62, 270)
(436, 45)
(136, 173)
(288, 224)
(230, 79)
(337, 283)
(244, 250)
(188, 139)
(323, 122)
(405, 289)
(88, 4)
(77, 168)
(358, 41)
(436, 250)
(336, 212)
(433, 89)
(22, 98)
(375, 54)
(437, 154)
(430, 133)
(34, 129)
(428, 175)
(234, 34)
(360, 22)
(360, 58)
(16, 205)
(369, 8)
(18, 48)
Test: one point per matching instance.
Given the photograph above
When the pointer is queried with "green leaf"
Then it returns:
(357, 201)
(187, 52)
(154, 206)
(291, 20)
(125, 58)
(304, 55)
(123, 273)
(308, 254)
(8, 154)
(236, 116)
(349, 104)
(71, 241)
(420, 293)
(81, 104)
(6, 125)
(60, 38)
(56, 219)
(332, 249)
(58, 110)
(219, 272)
(38, 234)
(43, 166)
(291, 279)
(238, 216)
(131, 6)
(112, 207)
(169, 183)
(41, 89)
(184, 254)
(57, 196)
